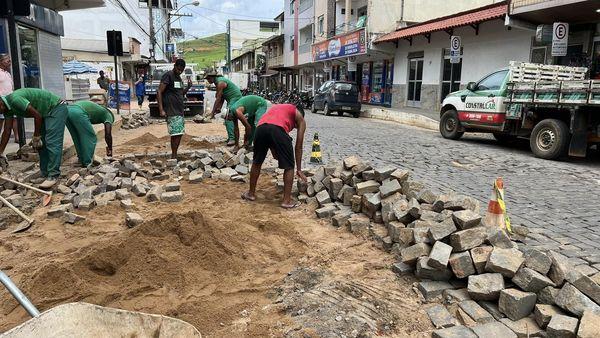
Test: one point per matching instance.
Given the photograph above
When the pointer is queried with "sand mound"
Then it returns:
(169, 265)
(145, 139)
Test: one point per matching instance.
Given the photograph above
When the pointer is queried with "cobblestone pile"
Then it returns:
(489, 283)
(144, 176)
(135, 120)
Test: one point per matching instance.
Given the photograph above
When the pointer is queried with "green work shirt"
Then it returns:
(97, 113)
(251, 104)
(231, 93)
(41, 100)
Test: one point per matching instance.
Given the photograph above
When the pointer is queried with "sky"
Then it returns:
(210, 17)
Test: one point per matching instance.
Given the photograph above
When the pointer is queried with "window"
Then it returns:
(346, 87)
(493, 81)
(269, 26)
(451, 75)
(325, 86)
(321, 25)
(351, 11)
(292, 6)
(292, 42)
(30, 65)
(304, 5)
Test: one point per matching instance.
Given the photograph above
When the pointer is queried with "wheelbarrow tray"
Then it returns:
(92, 321)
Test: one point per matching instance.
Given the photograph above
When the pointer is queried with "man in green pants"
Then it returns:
(82, 134)
(50, 115)
(226, 91)
(249, 109)
(100, 115)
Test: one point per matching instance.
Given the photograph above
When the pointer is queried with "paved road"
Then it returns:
(556, 200)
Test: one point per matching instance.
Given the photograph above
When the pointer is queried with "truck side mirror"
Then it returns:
(471, 86)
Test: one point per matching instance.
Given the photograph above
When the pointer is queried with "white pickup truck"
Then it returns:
(554, 106)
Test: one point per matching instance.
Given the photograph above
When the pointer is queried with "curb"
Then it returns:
(410, 119)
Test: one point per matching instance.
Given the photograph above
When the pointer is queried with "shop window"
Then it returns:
(30, 65)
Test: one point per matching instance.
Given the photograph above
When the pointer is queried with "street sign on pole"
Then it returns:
(169, 47)
(560, 39)
(115, 48)
(455, 47)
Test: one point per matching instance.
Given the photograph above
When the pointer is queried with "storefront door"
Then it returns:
(415, 79)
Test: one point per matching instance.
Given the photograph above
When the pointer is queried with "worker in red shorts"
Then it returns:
(273, 133)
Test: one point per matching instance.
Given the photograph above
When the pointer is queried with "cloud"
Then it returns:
(228, 5)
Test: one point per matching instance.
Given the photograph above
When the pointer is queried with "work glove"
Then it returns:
(36, 142)
(3, 162)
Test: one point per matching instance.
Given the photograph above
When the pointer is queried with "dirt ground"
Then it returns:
(230, 268)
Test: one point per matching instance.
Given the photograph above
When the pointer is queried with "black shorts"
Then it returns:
(270, 136)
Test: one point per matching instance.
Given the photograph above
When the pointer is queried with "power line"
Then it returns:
(119, 4)
(233, 29)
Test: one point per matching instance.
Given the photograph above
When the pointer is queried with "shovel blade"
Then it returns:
(46, 199)
(23, 226)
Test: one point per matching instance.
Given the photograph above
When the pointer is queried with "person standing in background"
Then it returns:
(7, 87)
(140, 91)
(102, 81)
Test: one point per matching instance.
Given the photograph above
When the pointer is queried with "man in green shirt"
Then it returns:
(50, 115)
(249, 109)
(82, 133)
(226, 91)
(100, 115)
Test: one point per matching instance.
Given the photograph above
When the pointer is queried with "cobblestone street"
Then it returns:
(556, 200)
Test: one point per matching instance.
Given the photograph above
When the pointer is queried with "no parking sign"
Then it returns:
(560, 39)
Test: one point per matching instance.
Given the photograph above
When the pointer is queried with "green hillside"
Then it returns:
(206, 50)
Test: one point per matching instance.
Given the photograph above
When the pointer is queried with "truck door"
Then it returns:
(484, 106)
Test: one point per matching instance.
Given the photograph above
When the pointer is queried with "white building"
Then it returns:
(132, 19)
(239, 31)
(423, 74)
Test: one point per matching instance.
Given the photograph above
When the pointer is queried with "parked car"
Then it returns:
(337, 96)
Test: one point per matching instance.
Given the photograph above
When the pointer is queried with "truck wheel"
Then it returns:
(326, 110)
(356, 114)
(450, 125)
(550, 139)
(504, 138)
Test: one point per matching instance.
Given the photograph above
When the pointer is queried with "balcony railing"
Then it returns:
(275, 61)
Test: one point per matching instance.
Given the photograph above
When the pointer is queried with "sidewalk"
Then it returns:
(410, 116)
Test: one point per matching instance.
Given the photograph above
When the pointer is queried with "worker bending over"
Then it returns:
(100, 115)
(50, 115)
(226, 91)
(273, 133)
(248, 110)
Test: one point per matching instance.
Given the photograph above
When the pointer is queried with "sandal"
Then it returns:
(291, 206)
(246, 196)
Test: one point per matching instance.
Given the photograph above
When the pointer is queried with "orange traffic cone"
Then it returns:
(496, 215)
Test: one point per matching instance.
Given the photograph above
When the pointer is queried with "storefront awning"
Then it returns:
(469, 18)
(64, 5)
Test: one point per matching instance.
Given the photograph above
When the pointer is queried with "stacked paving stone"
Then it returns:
(490, 283)
(135, 120)
(144, 176)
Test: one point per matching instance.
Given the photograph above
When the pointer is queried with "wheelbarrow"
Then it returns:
(85, 320)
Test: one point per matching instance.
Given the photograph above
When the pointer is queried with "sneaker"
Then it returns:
(48, 183)
(230, 143)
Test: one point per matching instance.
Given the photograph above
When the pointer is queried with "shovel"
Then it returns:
(47, 194)
(28, 222)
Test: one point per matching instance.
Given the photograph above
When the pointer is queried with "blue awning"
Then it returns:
(76, 67)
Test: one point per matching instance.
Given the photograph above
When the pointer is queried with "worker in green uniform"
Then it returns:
(82, 133)
(226, 91)
(100, 115)
(249, 109)
(50, 115)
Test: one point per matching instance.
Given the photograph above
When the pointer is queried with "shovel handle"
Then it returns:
(26, 186)
(17, 211)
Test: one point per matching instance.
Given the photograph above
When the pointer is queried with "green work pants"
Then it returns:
(83, 134)
(229, 125)
(254, 122)
(53, 132)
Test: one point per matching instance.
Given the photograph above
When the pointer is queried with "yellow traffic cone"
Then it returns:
(496, 215)
(316, 150)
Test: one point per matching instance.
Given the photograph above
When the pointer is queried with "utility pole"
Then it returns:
(152, 40)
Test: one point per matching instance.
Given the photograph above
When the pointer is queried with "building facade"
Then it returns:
(238, 31)
(132, 19)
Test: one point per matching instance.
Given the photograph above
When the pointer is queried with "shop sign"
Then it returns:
(44, 19)
(560, 39)
(327, 66)
(352, 64)
(455, 46)
(124, 95)
(349, 44)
